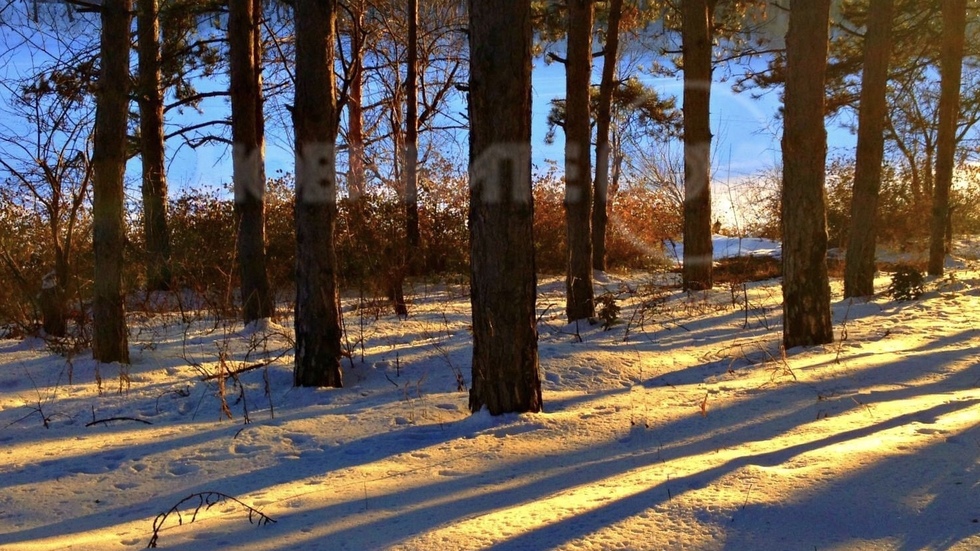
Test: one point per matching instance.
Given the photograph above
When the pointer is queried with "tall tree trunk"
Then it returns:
(397, 255)
(951, 65)
(248, 155)
(859, 268)
(412, 136)
(806, 285)
(358, 214)
(356, 183)
(503, 285)
(579, 293)
(150, 98)
(110, 340)
(317, 319)
(696, 16)
(603, 116)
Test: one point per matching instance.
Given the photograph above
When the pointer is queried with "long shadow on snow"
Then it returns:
(433, 505)
(802, 403)
(799, 407)
(248, 482)
(582, 525)
(592, 465)
(311, 464)
(855, 507)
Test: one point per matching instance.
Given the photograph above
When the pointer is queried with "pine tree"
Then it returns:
(248, 155)
(697, 19)
(110, 339)
(859, 265)
(951, 67)
(579, 292)
(317, 316)
(503, 281)
(806, 284)
(150, 99)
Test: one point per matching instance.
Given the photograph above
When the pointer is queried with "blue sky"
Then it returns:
(745, 130)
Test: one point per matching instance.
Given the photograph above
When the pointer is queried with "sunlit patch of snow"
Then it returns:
(729, 247)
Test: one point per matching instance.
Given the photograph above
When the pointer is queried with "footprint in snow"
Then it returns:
(180, 469)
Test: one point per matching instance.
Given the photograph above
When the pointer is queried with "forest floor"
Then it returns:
(681, 426)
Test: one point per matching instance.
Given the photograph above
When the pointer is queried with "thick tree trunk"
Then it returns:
(317, 319)
(248, 155)
(698, 254)
(110, 340)
(600, 202)
(503, 281)
(954, 33)
(579, 293)
(150, 98)
(806, 286)
(412, 137)
(859, 268)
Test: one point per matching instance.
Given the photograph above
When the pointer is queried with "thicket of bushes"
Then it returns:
(370, 237)
(903, 218)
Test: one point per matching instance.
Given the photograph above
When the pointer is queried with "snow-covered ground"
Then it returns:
(681, 427)
(728, 247)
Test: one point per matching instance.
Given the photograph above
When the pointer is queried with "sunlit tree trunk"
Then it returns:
(806, 286)
(150, 99)
(317, 316)
(110, 339)
(951, 66)
(503, 282)
(579, 293)
(696, 18)
(603, 116)
(859, 268)
(248, 155)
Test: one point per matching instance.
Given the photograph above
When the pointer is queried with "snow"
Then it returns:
(729, 247)
(684, 426)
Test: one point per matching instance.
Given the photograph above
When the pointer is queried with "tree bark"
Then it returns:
(503, 281)
(412, 234)
(51, 302)
(579, 293)
(859, 268)
(600, 201)
(110, 341)
(696, 18)
(806, 285)
(356, 184)
(154, 189)
(248, 155)
(317, 316)
(397, 258)
(951, 67)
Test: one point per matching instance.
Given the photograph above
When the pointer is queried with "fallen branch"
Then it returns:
(205, 500)
(222, 374)
(111, 419)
